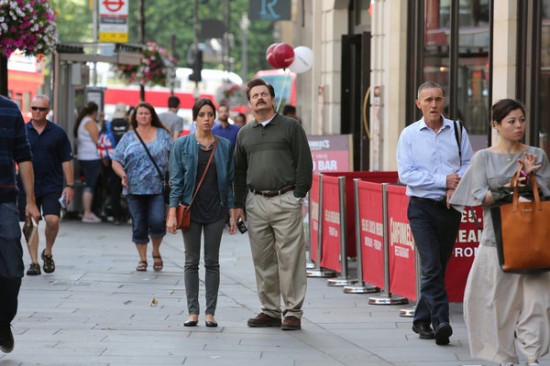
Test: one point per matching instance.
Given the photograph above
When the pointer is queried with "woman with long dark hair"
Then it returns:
(209, 209)
(141, 181)
(86, 131)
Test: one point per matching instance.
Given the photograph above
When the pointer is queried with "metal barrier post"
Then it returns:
(362, 287)
(344, 278)
(387, 298)
(309, 263)
(318, 271)
(409, 312)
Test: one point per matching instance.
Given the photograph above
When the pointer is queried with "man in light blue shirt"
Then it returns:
(432, 155)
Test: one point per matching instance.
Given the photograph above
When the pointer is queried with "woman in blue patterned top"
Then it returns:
(141, 181)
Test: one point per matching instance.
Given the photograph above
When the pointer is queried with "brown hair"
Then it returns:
(201, 102)
(155, 118)
(257, 82)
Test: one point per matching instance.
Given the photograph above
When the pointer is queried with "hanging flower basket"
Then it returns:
(232, 94)
(27, 25)
(153, 69)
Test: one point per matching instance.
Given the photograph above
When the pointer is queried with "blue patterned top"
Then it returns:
(143, 178)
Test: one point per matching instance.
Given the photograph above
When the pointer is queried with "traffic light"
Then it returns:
(197, 67)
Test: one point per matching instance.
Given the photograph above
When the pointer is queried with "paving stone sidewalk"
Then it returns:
(96, 310)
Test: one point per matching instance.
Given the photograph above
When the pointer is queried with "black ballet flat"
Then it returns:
(210, 324)
(191, 323)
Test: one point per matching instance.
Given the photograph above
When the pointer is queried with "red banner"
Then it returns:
(330, 257)
(467, 242)
(371, 232)
(377, 177)
(402, 251)
(314, 217)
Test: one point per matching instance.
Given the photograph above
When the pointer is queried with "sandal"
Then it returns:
(158, 263)
(142, 266)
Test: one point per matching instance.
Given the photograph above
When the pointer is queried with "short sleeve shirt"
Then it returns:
(50, 150)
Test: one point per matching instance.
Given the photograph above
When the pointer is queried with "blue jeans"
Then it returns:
(11, 261)
(434, 228)
(148, 216)
(192, 241)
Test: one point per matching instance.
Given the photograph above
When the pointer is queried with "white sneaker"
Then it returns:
(533, 363)
(506, 364)
(91, 219)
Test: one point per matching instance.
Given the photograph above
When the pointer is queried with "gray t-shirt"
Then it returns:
(172, 121)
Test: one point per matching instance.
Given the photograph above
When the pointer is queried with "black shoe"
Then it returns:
(264, 320)
(210, 324)
(34, 270)
(423, 330)
(442, 333)
(191, 323)
(6, 339)
(49, 264)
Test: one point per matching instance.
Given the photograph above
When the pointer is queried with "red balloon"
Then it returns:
(270, 56)
(284, 55)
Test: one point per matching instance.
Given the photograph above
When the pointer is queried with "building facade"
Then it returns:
(371, 56)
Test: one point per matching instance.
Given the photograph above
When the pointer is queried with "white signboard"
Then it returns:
(113, 21)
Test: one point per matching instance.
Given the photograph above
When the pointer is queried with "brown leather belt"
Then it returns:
(274, 193)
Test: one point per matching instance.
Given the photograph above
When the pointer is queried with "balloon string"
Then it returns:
(286, 76)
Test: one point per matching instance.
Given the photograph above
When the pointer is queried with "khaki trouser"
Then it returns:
(276, 237)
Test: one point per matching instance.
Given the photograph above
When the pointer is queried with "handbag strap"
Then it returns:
(534, 186)
(150, 156)
(205, 171)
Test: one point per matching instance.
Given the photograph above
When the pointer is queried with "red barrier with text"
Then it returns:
(371, 232)
(401, 243)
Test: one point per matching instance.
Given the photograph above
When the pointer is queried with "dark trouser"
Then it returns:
(113, 190)
(192, 241)
(9, 289)
(434, 228)
(11, 261)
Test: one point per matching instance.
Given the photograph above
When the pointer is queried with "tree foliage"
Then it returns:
(164, 18)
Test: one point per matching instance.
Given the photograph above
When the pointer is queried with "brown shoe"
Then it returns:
(291, 323)
(264, 320)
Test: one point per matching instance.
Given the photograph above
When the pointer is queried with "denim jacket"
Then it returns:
(183, 170)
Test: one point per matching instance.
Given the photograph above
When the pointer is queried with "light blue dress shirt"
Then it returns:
(425, 158)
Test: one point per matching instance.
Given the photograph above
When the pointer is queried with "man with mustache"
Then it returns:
(273, 173)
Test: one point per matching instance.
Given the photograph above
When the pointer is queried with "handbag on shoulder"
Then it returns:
(522, 231)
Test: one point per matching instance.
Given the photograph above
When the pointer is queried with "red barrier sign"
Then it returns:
(330, 258)
(467, 242)
(371, 232)
(401, 243)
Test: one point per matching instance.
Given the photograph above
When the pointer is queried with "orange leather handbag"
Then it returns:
(522, 231)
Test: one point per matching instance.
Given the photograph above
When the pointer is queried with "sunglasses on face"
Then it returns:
(41, 109)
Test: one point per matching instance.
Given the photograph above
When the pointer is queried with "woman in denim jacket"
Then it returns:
(210, 208)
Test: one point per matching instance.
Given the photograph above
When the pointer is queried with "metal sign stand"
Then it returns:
(362, 287)
(319, 272)
(344, 279)
(387, 298)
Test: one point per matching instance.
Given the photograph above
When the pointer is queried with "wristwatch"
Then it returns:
(69, 186)
(300, 200)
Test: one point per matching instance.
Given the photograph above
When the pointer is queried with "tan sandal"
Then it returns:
(142, 266)
(158, 263)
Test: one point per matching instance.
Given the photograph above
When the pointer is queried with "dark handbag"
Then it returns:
(183, 212)
(522, 231)
(163, 177)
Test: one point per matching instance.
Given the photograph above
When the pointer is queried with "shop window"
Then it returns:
(470, 89)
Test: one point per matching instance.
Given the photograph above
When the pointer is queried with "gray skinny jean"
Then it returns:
(192, 242)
